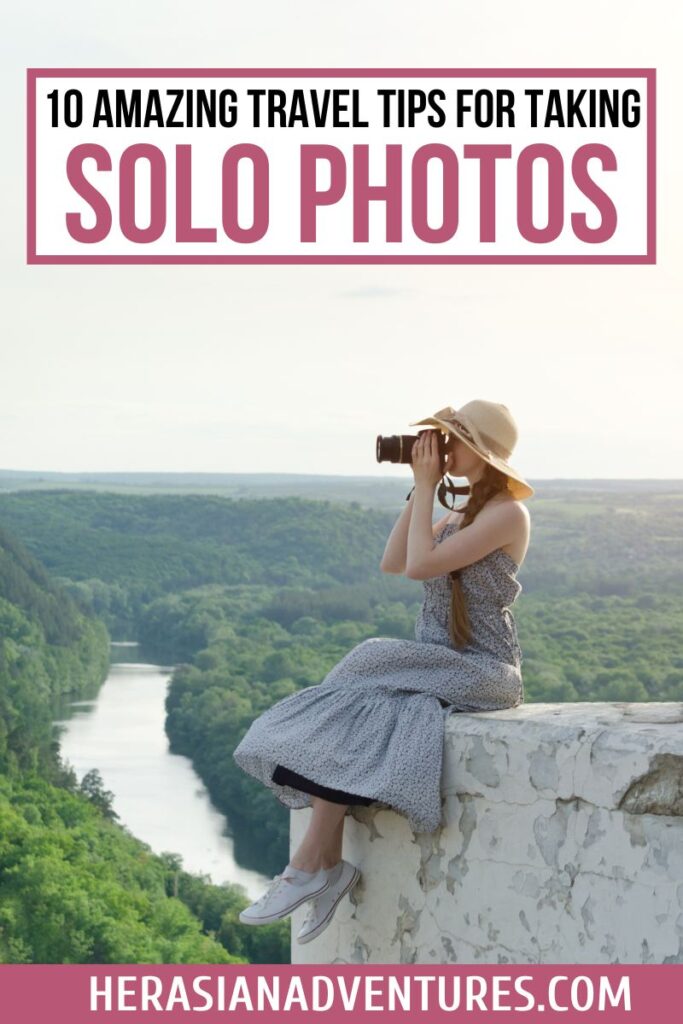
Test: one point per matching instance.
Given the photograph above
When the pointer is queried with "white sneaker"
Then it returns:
(323, 907)
(284, 894)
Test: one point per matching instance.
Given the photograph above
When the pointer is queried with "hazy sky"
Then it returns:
(297, 368)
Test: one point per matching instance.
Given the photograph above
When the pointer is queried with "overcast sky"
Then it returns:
(297, 368)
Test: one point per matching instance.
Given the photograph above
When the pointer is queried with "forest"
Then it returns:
(253, 598)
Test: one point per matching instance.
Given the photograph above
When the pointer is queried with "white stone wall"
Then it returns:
(563, 843)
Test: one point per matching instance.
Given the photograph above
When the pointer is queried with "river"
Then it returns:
(158, 795)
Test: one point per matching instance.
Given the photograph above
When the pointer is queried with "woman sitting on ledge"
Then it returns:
(373, 729)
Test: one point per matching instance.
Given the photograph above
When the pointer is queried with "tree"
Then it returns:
(92, 788)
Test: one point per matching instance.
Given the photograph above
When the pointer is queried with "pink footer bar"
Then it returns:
(80, 993)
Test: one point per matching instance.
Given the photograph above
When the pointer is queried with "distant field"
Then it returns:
(386, 489)
(623, 539)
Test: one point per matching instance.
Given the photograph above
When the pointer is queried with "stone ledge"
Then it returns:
(562, 843)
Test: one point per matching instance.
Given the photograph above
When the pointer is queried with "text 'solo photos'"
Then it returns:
(341, 513)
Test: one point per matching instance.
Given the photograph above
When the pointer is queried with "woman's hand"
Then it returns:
(426, 461)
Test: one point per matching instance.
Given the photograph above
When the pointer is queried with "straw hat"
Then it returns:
(489, 430)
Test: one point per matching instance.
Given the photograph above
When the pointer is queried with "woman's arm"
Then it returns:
(493, 527)
(395, 552)
(425, 454)
(495, 524)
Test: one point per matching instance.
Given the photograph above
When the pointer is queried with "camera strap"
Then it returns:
(444, 489)
(449, 488)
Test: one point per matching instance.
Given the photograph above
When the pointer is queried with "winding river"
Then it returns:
(157, 795)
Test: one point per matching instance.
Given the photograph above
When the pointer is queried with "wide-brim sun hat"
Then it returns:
(489, 429)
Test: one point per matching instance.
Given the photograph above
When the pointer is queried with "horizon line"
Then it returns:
(330, 476)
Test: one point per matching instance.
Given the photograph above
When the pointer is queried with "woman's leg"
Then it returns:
(322, 844)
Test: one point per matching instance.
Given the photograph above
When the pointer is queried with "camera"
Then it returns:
(399, 447)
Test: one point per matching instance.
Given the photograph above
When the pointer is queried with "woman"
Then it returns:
(373, 730)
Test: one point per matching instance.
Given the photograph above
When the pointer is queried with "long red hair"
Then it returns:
(491, 482)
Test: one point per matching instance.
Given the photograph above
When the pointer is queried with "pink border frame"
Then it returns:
(649, 74)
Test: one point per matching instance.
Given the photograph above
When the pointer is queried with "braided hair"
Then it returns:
(491, 482)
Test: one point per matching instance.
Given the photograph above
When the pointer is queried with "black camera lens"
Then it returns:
(399, 447)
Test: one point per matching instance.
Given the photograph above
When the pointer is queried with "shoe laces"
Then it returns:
(277, 880)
